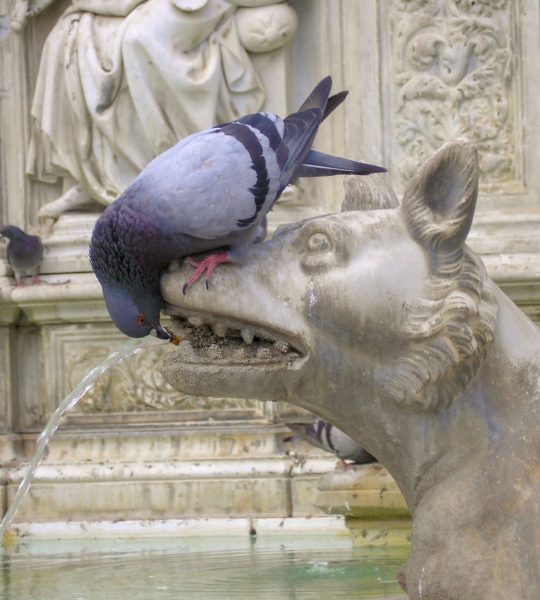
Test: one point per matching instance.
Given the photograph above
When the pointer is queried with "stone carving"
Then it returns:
(389, 327)
(120, 81)
(135, 386)
(454, 76)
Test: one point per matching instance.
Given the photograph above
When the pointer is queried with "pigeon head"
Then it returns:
(11, 232)
(135, 314)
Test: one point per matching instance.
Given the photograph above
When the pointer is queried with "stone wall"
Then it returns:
(419, 72)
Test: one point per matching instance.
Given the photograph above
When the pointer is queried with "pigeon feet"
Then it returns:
(206, 267)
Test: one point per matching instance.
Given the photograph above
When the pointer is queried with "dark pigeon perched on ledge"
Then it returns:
(24, 253)
(325, 436)
(210, 191)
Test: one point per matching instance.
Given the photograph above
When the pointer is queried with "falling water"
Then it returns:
(132, 346)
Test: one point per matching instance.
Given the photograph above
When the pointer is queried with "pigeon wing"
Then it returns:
(210, 186)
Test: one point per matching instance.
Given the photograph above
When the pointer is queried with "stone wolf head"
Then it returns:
(384, 323)
(395, 292)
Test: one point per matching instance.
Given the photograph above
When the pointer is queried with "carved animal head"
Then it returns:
(387, 304)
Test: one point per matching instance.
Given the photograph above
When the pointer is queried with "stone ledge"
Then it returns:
(386, 532)
(156, 499)
(165, 528)
(141, 475)
(361, 491)
(375, 510)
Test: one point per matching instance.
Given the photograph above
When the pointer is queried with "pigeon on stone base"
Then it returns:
(325, 436)
(24, 253)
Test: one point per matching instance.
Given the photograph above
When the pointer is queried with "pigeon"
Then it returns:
(324, 435)
(24, 253)
(209, 192)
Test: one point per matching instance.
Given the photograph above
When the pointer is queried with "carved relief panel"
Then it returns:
(454, 73)
(133, 391)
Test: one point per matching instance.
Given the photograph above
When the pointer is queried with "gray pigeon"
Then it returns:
(24, 253)
(324, 435)
(210, 191)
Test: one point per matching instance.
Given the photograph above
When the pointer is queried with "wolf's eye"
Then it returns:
(141, 320)
(321, 246)
(319, 242)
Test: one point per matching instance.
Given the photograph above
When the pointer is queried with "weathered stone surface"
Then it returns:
(153, 499)
(375, 510)
(399, 338)
(361, 491)
(197, 472)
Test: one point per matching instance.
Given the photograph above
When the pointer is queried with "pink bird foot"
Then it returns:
(206, 267)
(36, 280)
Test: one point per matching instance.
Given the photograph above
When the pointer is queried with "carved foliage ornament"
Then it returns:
(135, 385)
(454, 74)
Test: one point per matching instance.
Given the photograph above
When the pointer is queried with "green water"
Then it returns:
(292, 568)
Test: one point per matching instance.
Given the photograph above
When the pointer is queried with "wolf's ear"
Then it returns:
(439, 204)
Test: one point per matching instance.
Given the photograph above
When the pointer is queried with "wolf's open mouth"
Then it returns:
(211, 339)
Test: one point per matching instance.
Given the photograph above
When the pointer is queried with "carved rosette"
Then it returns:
(454, 77)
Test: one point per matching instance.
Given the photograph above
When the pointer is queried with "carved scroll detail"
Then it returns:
(454, 77)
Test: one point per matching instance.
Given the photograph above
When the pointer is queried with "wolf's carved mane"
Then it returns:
(450, 333)
(450, 330)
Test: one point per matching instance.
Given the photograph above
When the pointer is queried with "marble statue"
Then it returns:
(120, 81)
(385, 323)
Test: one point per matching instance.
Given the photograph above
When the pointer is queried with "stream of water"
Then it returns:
(132, 346)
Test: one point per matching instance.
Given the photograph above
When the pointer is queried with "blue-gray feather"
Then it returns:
(326, 436)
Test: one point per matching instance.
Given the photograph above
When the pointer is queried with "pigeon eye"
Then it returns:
(141, 320)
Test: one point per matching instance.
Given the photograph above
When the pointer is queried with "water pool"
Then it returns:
(207, 568)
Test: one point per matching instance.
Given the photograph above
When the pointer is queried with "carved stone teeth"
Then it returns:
(264, 353)
(196, 320)
(282, 346)
(240, 354)
(247, 335)
(220, 329)
(187, 349)
(214, 351)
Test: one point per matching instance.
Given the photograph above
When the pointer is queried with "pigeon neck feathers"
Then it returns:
(126, 248)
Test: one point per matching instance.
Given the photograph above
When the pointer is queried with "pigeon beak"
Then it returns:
(164, 334)
(160, 332)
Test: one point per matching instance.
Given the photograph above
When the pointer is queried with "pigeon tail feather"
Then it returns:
(319, 96)
(333, 102)
(319, 164)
